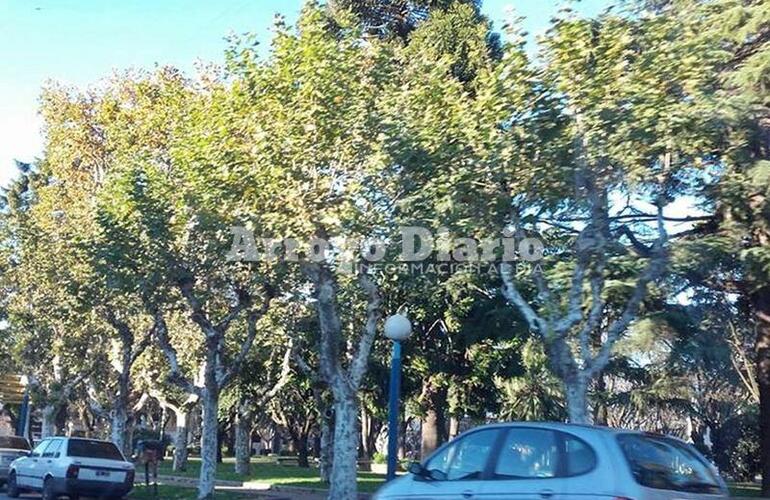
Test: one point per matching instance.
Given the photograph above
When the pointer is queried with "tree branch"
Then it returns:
(199, 315)
(175, 375)
(511, 293)
(652, 273)
(373, 315)
(251, 334)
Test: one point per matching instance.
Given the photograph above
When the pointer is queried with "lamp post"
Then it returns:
(397, 329)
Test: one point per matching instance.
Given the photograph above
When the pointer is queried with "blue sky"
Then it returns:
(79, 42)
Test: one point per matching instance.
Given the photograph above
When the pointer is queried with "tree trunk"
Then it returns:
(119, 417)
(343, 478)
(577, 400)
(326, 452)
(366, 429)
(275, 442)
(180, 441)
(433, 428)
(761, 306)
(48, 424)
(209, 442)
(242, 441)
(119, 428)
(454, 427)
(600, 405)
(431, 431)
(300, 444)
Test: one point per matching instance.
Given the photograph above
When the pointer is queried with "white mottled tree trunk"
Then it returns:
(119, 428)
(208, 443)
(242, 441)
(577, 400)
(326, 453)
(343, 476)
(344, 382)
(180, 441)
(119, 417)
(48, 424)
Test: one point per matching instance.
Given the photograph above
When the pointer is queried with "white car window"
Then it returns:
(464, 459)
(528, 453)
(52, 451)
(663, 463)
(580, 457)
(40, 448)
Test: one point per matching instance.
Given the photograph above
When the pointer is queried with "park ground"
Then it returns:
(295, 479)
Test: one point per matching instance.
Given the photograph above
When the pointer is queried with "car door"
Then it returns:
(26, 469)
(527, 466)
(458, 470)
(47, 462)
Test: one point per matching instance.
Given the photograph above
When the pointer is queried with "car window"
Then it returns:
(52, 451)
(664, 463)
(579, 456)
(38, 451)
(14, 443)
(528, 453)
(465, 458)
(93, 449)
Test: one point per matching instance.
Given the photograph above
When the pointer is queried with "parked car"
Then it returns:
(73, 467)
(561, 462)
(11, 448)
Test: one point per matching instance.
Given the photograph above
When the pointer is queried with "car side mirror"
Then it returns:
(417, 469)
(437, 475)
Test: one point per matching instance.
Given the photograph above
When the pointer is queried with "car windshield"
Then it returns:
(93, 449)
(665, 463)
(14, 443)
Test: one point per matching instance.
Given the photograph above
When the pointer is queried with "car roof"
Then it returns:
(563, 426)
(68, 438)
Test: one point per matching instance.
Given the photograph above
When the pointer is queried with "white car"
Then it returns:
(11, 448)
(72, 466)
(527, 461)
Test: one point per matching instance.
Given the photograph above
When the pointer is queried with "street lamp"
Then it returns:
(397, 329)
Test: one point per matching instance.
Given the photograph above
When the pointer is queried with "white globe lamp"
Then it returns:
(398, 327)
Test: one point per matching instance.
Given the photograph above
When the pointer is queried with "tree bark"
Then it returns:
(431, 431)
(326, 452)
(577, 400)
(454, 427)
(343, 381)
(119, 417)
(403, 427)
(242, 441)
(180, 441)
(119, 428)
(761, 306)
(209, 442)
(343, 477)
(300, 444)
(48, 424)
(433, 426)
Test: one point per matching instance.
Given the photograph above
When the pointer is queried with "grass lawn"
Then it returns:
(265, 470)
(175, 493)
